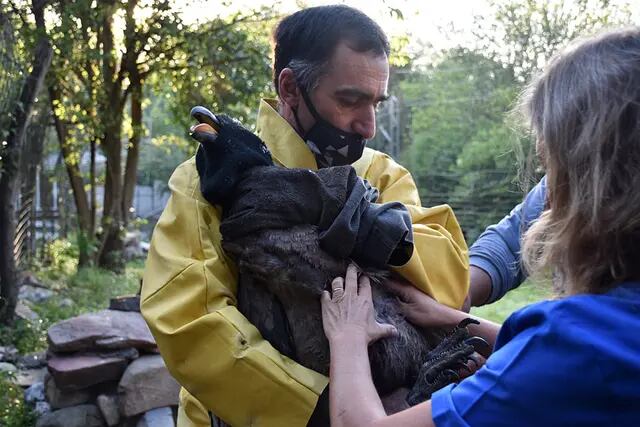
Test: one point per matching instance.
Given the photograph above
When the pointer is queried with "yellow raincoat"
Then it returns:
(189, 288)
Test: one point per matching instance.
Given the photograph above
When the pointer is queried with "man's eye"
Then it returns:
(348, 102)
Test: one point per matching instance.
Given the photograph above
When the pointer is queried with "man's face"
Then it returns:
(348, 94)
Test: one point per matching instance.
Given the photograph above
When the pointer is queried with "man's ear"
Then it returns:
(288, 90)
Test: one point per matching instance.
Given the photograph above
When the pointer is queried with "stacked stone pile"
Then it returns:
(103, 369)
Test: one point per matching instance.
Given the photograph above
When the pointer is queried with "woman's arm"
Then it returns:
(352, 395)
(423, 311)
(349, 323)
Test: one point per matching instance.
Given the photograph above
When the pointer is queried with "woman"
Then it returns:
(571, 361)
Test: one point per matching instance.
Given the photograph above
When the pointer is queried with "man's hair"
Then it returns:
(585, 111)
(306, 40)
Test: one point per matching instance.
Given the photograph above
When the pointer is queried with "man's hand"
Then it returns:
(479, 286)
(420, 309)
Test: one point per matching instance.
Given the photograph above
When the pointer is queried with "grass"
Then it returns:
(86, 290)
(89, 290)
(527, 293)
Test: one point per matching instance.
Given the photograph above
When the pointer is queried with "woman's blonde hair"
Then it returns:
(585, 113)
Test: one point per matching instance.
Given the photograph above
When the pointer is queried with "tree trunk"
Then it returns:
(111, 114)
(85, 233)
(92, 185)
(8, 180)
(110, 253)
(133, 151)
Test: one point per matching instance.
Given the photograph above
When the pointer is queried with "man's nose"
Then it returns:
(365, 123)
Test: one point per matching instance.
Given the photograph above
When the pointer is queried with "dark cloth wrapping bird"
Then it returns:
(291, 231)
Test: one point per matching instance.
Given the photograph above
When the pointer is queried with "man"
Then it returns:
(330, 72)
(494, 258)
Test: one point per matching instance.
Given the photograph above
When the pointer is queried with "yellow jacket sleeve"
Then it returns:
(440, 263)
(188, 301)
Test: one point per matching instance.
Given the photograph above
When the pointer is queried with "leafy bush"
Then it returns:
(13, 410)
(62, 256)
(24, 335)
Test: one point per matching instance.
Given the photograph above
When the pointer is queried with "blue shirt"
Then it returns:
(497, 250)
(568, 362)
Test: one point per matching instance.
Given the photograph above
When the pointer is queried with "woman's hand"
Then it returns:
(422, 310)
(347, 313)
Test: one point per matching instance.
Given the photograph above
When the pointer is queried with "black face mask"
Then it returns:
(330, 145)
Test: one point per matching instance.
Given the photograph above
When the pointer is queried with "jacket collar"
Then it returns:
(286, 146)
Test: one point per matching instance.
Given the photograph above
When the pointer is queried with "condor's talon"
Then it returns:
(452, 373)
(472, 358)
(466, 322)
(475, 340)
(462, 366)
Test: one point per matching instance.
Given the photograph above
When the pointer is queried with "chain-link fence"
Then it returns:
(478, 197)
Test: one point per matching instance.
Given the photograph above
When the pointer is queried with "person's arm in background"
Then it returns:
(494, 258)
(439, 264)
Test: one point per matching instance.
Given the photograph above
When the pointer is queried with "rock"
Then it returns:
(146, 385)
(75, 416)
(133, 252)
(8, 354)
(125, 303)
(30, 279)
(152, 351)
(25, 312)
(33, 360)
(83, 370)
(66, 302)
(34, 393)
(131, 238)
(63, 399)
(34, 294)
(42, 408)
(127, 353)
(160, 417)
(107, 329)
(132, 247)
(8, 367)
(108, 405)
(28, 377)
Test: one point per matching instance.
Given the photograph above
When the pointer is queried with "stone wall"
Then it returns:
(103, 369)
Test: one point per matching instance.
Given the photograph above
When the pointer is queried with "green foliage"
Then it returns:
(62, 257)
(523, 34)
(90, 290)
(462, 152)
(106, 52)
(400, 56)
(161, 156)
(24, 335)
(465, 151)
(224, 65)
(13, 410)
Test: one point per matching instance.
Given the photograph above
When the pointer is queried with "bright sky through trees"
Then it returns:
(423, 19)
